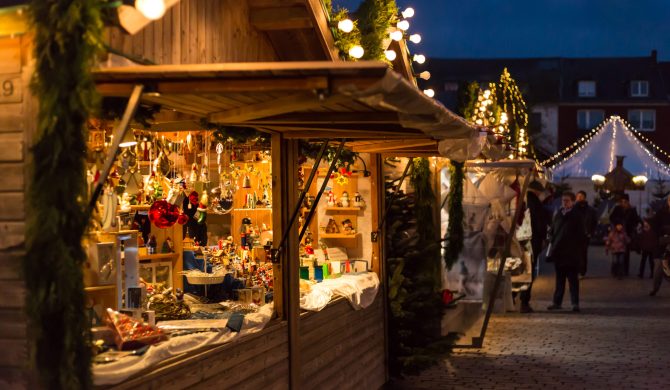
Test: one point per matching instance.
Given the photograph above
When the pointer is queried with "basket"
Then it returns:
(199, 279)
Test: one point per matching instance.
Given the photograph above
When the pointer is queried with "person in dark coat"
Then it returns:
(648, 247)
(539, 223)
(567, 233)
(590, 217)
(626, 215)
(661, 225)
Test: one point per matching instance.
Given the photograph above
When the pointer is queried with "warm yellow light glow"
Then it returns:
(416, 38)
(408, 12)
(425, 75)
(356, 51)
(390, 55)
(151, 9)
(640, 180)
(396, 35)
(429, 92)
(598, 179)
(419, 58)
(128, 140)
(403, 25)
(345, 25)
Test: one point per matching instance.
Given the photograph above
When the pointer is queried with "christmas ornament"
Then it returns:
(164, 214)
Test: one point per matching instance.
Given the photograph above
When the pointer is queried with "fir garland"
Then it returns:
(455, 233)
(67, 38)
(343, 41)
(375, 18)
(238, 135)
(414, 264)
(311, 150)
(112, 108)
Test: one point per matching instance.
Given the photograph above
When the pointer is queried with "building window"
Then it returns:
(643, 120)
(639, 88)
(588, 119)
(586, 89)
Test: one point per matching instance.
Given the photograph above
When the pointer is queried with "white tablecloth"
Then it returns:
(115, 372)
(359, 288)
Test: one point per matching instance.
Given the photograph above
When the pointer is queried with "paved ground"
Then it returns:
(620, 340)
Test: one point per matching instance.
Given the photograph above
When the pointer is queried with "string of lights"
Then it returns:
(581, 143)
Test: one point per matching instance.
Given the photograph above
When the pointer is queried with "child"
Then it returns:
(649, 246)
(616, 243)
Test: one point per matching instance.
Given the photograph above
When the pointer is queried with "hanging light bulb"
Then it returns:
(403, 25)
(390, 55)
(151, 9)
(356, 51)
(424, 75)
(408, 12)
(396, 35)
(419, 58)
(429, 92)
(416, 38)
(345, 25)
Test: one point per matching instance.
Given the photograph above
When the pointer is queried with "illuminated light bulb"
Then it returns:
(487, 93)
(396, 35)
(419, 58)
(345, 25)
(403, 25)
(429, 92)
(482, 109)
(479, 121)
(598, 179)
(408, 12)
(151, 9)
(415, 38)
(425, 75)
(356, 51)
(390, 55)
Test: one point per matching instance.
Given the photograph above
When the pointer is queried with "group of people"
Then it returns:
(570, 229)
(649, 236)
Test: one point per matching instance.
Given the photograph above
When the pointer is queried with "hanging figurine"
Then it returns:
(194, 174)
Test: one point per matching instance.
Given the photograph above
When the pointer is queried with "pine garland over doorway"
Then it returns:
(67, 36)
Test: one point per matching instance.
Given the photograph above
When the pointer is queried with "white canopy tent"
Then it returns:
(597, 156)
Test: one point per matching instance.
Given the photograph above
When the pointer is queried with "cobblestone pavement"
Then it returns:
(620, 340)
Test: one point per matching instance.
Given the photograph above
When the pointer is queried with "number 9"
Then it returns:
(7, 88)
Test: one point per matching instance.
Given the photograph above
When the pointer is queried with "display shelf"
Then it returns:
(256, 209)
(342, 208)
(140, 207)
(99, 288)
(337, 235)
(158, 256)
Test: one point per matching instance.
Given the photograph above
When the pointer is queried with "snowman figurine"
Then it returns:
(358, 200)
(345, 199)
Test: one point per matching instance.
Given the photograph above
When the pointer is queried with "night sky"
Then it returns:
(538, 28)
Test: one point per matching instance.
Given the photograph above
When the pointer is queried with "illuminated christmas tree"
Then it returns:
(513, 111)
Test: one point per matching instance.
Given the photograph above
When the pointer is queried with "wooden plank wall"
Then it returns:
(253, 362)
(343, 348)
(17, 123)
(198, 32)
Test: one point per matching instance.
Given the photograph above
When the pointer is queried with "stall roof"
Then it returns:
(365, 102)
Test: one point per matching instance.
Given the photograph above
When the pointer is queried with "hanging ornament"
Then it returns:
(164, 214)
(246, 183)
(194, 173)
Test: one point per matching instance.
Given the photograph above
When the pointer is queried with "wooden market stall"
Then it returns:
(208, 51)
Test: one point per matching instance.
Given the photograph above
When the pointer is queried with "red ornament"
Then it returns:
(164, 214)
(193, 197)
(183, 218)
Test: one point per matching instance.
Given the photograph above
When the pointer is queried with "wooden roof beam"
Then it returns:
(394, 145)
(275, 84)
(295, 102)
(333, 118)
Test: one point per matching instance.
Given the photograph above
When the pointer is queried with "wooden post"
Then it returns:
(290, 258)
(279, 213)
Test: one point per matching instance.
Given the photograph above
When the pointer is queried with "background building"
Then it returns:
(569, 96)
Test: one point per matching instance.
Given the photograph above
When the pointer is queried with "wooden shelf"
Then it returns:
(258, 209)
(158, 256)
(142, 207)
(337, 235)
(342, 208)
(99, 288)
